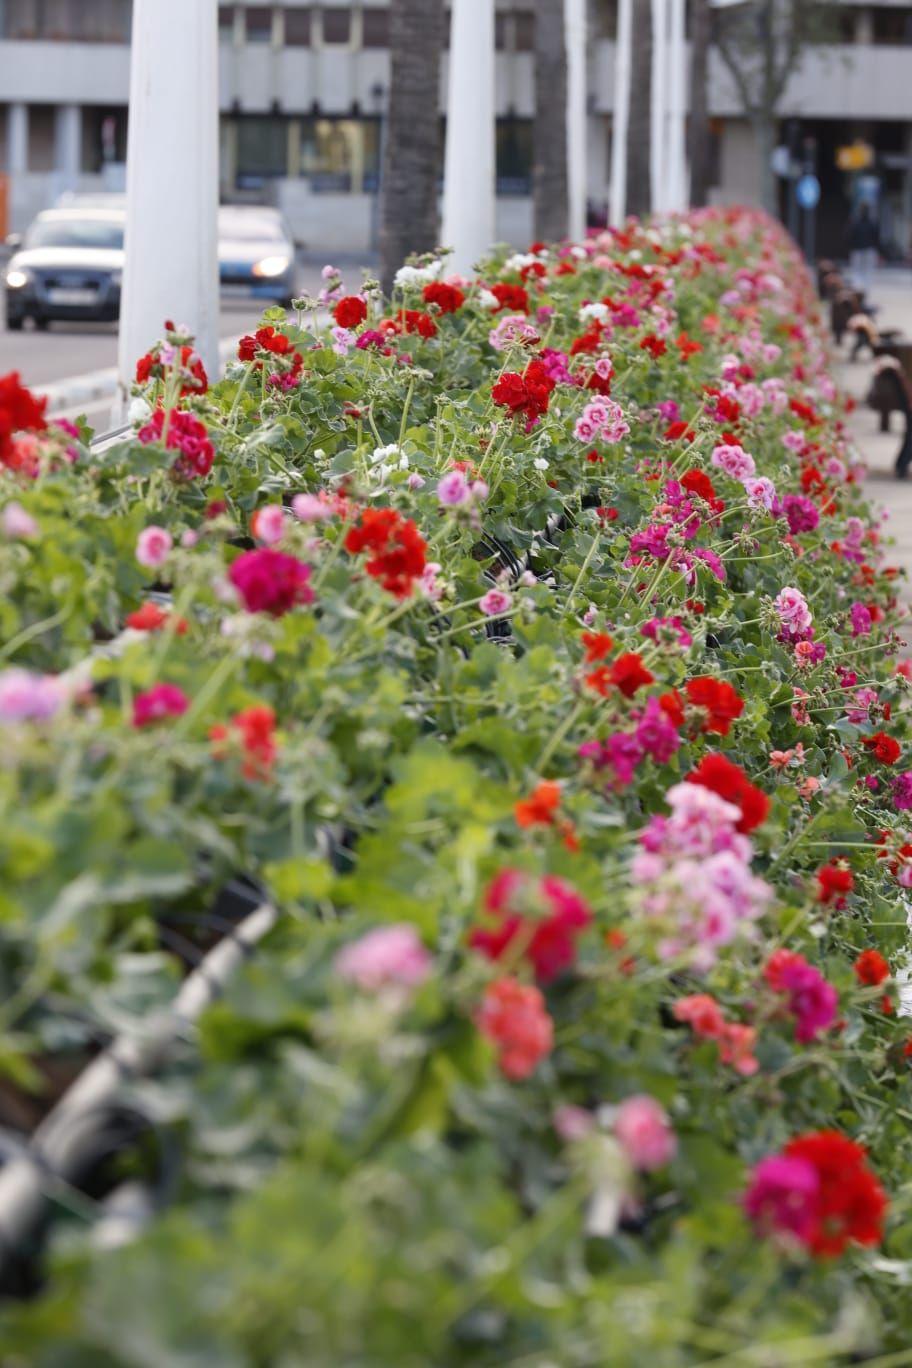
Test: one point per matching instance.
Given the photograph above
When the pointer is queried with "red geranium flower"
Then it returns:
(20, 411)
(511, 297)
(448, 298)
(539, 918)
(350, 311)
(721, 703)
(597, 645)
(396, 547)
(834, 882)
(885, 749)
(850, 1203)
(528, 394)
(729, 781)
(871, 968)
(628, 673)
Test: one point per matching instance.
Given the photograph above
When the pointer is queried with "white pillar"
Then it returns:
(171, 268)
(469, 223)
(68, 145)
(17, 134)
(618, 189)
(678, 179)
(659, 107)
(575, 30)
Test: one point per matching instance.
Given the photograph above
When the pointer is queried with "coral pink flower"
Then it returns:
(268, 524)
(153, 546)
(644, 1131)
(389, 957)
(514, 1018)
(495, 602)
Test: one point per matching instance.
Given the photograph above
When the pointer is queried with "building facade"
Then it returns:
(303, 94)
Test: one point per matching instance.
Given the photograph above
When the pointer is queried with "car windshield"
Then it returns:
(242, 229)
(100, 234)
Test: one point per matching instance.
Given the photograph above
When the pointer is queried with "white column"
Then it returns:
(676, 165)
(17, 133)
(618, 189)
(659, 107)
(575, 30)
(469, 224)
(68, 145)
(171, 268)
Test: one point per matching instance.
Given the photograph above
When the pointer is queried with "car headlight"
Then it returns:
(16, 279)
(271, 266)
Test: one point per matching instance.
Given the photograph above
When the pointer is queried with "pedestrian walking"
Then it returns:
(864, 241)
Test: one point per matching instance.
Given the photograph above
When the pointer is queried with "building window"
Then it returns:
(21, 19)
(892, 27)
(258, 25)
(341, 155)
(524, 21)
(604, 19)
(375, 28)
(297, 26)
(337, 26)
(41, 141)
(104, 137)
(102, 21)
(262, 150)
(501, 26)
(514, 156)
(226, 22)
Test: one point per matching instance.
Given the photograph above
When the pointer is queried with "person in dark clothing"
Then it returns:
(864, 240)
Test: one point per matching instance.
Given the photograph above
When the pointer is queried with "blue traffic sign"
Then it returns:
(807, 192)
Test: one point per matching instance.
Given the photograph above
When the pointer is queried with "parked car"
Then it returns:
(69, 266)
(256, 254)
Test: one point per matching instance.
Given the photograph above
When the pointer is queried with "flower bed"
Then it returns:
(527, 641)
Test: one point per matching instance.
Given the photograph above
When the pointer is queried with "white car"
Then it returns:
(256, 254)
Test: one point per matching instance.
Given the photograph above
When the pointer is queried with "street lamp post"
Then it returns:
(378, 95)
(171, 256)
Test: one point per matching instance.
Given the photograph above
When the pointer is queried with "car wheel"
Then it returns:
(42, 324)
(13, 324)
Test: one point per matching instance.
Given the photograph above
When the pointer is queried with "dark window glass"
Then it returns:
(258, 26)
(514, 156)
(226, 20)
(102, 21)
(604, 19)
(501, 26)
(892, 27)
(262, 150)
(337, 26)
(525, 30)
(297, 26)
(375, 27)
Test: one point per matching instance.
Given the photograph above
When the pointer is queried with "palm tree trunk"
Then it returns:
(639, 160)
(549, 171)
(698, 127)
(411, 158)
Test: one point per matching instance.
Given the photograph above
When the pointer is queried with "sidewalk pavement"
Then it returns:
(892, 292)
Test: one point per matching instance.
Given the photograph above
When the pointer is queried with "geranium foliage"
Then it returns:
(528, 642)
